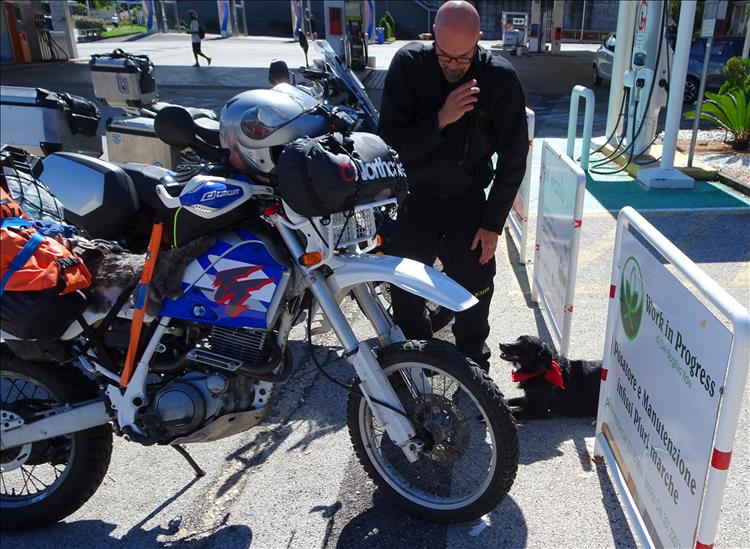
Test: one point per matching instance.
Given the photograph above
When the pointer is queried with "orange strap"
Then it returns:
(141, 301)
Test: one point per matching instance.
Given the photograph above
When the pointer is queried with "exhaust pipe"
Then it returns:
(71, 420)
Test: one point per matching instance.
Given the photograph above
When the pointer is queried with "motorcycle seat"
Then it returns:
(145, 178)
(195, 112)
(208, 130)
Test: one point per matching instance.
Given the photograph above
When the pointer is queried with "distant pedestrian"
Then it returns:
(310, 25)
(197, 34)
(115, 20)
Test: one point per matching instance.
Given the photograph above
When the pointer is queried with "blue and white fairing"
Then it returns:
(236, 283)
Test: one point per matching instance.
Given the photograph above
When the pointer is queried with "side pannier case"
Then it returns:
(123, 80)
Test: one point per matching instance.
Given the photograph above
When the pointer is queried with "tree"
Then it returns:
(674, 12)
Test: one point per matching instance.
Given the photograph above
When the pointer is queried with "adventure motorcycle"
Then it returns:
(429, 427)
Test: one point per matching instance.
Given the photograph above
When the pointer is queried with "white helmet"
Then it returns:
(255, 125)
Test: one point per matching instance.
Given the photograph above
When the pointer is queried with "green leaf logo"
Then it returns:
(631, 297)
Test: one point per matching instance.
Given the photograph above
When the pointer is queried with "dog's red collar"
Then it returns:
(552, 375)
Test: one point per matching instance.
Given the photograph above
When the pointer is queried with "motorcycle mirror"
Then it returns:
(278, 73)
(175, 126)
(305, 46)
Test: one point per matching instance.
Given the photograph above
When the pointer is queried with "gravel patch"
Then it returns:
(738, 173)
(723, 160)
(730, 163)
(703, 135)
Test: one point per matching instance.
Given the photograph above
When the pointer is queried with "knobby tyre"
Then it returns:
(48, 480)
(470, 459)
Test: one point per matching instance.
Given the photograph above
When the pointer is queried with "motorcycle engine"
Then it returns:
(222, 365)
(188, 402)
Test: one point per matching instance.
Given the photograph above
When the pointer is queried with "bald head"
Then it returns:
(456, 35)
(457, 16)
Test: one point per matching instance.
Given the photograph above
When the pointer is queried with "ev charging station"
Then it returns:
(647, 77)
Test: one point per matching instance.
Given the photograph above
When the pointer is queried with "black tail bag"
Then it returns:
(333, 173)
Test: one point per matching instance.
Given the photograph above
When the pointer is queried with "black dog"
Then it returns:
(552, 384)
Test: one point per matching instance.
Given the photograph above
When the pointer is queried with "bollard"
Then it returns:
(588, 123)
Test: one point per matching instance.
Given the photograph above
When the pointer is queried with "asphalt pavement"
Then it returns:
(294, 481)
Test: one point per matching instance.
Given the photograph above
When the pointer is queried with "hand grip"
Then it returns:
(168, 200)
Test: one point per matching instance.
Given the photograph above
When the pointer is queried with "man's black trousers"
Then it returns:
(424, 225)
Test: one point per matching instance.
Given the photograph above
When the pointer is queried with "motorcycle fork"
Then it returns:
(371, 306)
(373, 382)
(414, 378)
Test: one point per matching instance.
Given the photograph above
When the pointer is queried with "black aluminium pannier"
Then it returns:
(319, 176)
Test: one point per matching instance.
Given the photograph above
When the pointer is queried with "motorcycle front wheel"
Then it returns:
(470, 455)
(44, 482)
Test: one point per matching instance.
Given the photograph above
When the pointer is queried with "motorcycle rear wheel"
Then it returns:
(465, 423)
(46, 481)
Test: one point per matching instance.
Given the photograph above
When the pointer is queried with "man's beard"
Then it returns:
(453, 75)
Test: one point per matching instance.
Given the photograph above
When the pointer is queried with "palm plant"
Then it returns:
(731, 111)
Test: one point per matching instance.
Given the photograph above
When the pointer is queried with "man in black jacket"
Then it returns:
(447, 108)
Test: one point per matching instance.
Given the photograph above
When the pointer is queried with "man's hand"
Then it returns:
(488, 240)
(459, 102)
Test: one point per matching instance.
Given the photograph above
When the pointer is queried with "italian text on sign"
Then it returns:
(666, 363)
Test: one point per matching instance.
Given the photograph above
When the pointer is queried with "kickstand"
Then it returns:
(184, 453)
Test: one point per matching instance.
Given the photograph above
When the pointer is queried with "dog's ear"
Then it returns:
(545, 356)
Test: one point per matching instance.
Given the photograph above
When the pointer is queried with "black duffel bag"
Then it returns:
(43, 315)
(319, 176)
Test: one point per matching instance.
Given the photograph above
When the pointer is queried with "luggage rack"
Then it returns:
(341, 230)
(346, 229)
(20, 161)
(353, 228)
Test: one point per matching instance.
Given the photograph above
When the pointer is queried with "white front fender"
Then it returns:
(411, 276)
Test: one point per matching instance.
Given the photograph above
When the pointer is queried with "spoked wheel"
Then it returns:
(48, 480)
(470, 455)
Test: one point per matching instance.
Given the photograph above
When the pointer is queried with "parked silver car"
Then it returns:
(603, 60)
(722, 49)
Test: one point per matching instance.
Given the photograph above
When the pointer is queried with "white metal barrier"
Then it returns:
(562, 188)
(518, 220)
(588, 123)
(672, 385)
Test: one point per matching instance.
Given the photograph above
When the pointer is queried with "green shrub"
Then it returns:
(388, 29)
(388, 17)
(78, 9)
(737, 72)
(89, 23)
(731, 112)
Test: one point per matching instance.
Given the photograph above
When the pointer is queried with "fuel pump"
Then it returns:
(356, 40)
(646, 81)
(346, 26)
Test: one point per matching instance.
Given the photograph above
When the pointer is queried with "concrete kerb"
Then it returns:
(736, 184)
